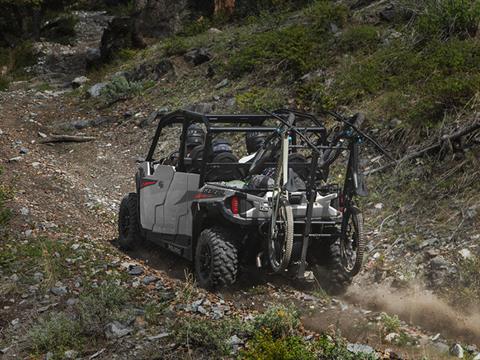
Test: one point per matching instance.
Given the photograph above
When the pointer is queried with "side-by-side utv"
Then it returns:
(251, 189)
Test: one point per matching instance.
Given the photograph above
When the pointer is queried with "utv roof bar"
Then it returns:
(187, 117)
(217, 129)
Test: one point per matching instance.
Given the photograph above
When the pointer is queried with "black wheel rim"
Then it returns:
(349, 241)
(278, 242)
(205, 262)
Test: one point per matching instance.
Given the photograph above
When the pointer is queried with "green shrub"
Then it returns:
(175, 46)
(290, 49)
(56, 333)
(445, 18)
(15, 60)
(154, 312)
(210, 335)
(443, 95)
(361, 37)
(100, 306)
(323, 13)
(314, 95)
(266, 347)
(336, 349)
(468, 289)
(126, 54)
(39, 253)
(5, 194)
(441, 74)
(391, 323)
(260, 98)
(279, 321)
(22, 56)
(296, 49)
(120, 88)
(196, 27)
(248, 7)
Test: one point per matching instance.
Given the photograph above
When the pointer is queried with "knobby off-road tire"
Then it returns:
(340, 274)
(129, 233)
(216, 258)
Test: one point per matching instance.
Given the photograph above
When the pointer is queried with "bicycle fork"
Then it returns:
(280, 183)
(311, 195)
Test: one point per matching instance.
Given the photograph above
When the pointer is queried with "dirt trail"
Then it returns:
(64, 182)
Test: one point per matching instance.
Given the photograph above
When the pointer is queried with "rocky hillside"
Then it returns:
(66, 291)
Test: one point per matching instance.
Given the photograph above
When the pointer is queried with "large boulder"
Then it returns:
(150, 18)
(157, 18)
(118, 35)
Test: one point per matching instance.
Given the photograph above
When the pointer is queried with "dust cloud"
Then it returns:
(421, 307)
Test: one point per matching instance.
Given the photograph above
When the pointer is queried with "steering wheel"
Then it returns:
(262, 156)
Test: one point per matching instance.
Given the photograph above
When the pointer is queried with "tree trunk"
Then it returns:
(224, 7)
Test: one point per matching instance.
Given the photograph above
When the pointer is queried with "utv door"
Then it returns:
(153, 192)
(177, 218)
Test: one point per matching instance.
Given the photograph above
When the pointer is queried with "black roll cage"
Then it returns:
(212, 122)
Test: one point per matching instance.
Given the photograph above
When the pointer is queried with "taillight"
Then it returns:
(234, 205)
(341, 202)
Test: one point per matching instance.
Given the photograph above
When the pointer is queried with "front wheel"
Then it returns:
(129, 233)
(216, 258)
(346, 253)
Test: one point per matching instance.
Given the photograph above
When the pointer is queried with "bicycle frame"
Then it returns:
(281, 179)
(354, 184)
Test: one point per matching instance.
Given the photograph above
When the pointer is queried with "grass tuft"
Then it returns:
(279, 321)
(55, 333)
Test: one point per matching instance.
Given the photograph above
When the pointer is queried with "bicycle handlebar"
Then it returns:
(358, 118)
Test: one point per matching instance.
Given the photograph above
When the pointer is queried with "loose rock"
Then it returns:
(441, 347)
(197, 56)
(457, 351)
(15, 159)
(135, 270)
(222, 84)
(79, 81)
(70, 354)
(59, 289)
(96, 89)
(149, 279)
(117, 330)
(390, 337)
(466, 254)
(159, 336)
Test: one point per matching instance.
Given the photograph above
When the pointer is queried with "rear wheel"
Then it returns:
(346, 254)
(216, 258)
(129, 234)
(280, 237)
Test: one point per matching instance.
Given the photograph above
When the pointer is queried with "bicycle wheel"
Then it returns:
(280, 236)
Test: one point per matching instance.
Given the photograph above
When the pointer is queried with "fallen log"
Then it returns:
(437, 146)
(66, 138)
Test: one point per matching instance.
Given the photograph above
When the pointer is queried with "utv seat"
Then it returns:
(217, 172)
(197, 157)
(299, 165)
